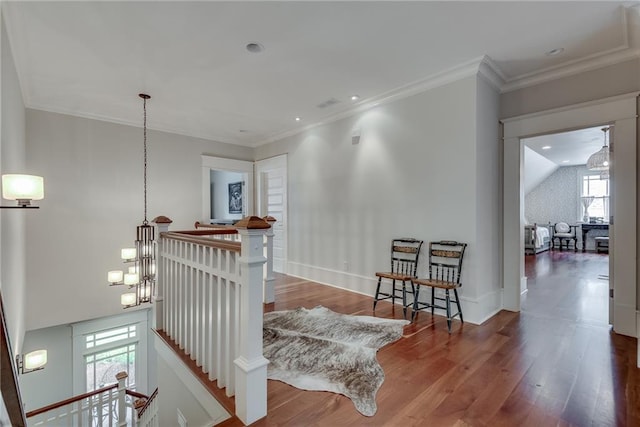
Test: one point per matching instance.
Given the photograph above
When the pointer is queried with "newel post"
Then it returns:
(122, 394)
(162, 226)
(251, 366)
(269, 291)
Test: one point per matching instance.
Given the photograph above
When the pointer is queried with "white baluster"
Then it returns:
(269, 280)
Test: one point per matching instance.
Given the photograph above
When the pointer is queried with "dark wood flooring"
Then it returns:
(556, 363)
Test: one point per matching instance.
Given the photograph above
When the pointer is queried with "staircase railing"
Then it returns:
(107, 406)
(148, 412)
(209, 301)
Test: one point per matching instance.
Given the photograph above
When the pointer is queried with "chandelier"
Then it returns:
(140, 276)
(599, 161)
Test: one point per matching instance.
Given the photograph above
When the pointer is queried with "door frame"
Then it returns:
(620, 111)
(228, 165)
(261, 167)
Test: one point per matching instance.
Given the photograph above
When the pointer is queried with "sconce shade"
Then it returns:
(131, 279)
(36, 359)
(128, 253)
(128, 299)
(599, 161)
(115, 276)
(22, 187)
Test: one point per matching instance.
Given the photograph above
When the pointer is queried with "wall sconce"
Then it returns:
(31, 362)
(22, 188)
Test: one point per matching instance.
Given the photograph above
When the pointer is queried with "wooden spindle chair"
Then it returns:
(445, 266)
(404, 265)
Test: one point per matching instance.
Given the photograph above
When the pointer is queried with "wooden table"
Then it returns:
(586, 227)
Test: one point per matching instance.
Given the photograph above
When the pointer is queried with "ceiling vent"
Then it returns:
(328, 103)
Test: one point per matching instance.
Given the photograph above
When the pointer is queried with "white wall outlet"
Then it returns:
(346, 266)
(182, 421)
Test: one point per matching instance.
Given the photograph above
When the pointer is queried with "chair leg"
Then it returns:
(433, 301)
(404, 299)
(393, 293)
(375, 301)
(416, 294)
(455, 291)
(448, 299)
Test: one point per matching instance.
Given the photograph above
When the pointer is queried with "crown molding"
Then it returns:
(450, 75)
(109, 119)
(612, 57)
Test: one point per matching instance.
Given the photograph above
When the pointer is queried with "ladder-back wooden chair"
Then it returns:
(404, 265)
(445, 266)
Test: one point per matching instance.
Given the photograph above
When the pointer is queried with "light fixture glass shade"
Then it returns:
(36, 359)
(131, 279)
(128, 299)
(22, 187)
(128, 254)
(115, 276)
(599, 161)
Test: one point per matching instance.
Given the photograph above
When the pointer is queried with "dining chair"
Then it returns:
(566, 234)
(405, 253)
(445, 266)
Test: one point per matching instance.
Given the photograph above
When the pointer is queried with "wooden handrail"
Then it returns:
(146, 405)
(198, 224)
(136, 394)
(69, 401)
(208, 232)
(213, 243)
(9, 384)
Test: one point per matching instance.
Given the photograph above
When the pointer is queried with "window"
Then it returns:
(596, 187)
(106, 346)
(109, 352)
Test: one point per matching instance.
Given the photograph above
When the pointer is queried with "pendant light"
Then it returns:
(141, 274)
(599, 161)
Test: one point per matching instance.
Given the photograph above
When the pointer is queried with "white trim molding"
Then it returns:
(621, 112)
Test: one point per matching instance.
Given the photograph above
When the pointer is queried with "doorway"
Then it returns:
(271, 183)
(227, 190)
(567, 277)
(621, 112)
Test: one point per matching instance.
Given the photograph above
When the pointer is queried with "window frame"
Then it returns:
(80, 351)
(580, 209)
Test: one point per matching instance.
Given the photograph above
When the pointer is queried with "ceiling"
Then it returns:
(92, 58)
(568, 148)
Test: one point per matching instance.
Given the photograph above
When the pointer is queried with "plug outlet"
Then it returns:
(345, 266)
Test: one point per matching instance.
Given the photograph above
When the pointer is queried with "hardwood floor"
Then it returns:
(555, 363)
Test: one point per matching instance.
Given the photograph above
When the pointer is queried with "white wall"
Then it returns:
(413, 174)
(93, 202)
(54, 382)
(220, 181)
(12, 227)
(485, 252)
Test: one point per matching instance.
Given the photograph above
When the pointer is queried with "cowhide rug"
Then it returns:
(321, 350)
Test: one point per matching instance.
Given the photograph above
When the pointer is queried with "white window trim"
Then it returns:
(583, 173)
(81, 329)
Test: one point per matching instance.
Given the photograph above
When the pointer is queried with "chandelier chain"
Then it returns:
(145, 222)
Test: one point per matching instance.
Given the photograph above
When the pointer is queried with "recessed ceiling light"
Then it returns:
(554, 52)
(242, 130)
(354, 97)
(254, 47)
(546, 147)
(298, 119)
(565, 161)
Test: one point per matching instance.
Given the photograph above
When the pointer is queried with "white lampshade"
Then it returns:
(131, 279)
(35, 359)
(128, 299)
(115, 276)
(22, 187)
(128, 253)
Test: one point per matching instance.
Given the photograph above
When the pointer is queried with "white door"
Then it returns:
(272, 200)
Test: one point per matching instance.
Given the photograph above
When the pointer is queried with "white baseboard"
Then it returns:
(475, 310)
(638, 341)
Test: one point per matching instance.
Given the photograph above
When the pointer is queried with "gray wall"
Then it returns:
(600, 83)
(12, 229)
(427, 166)
(93, 204)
